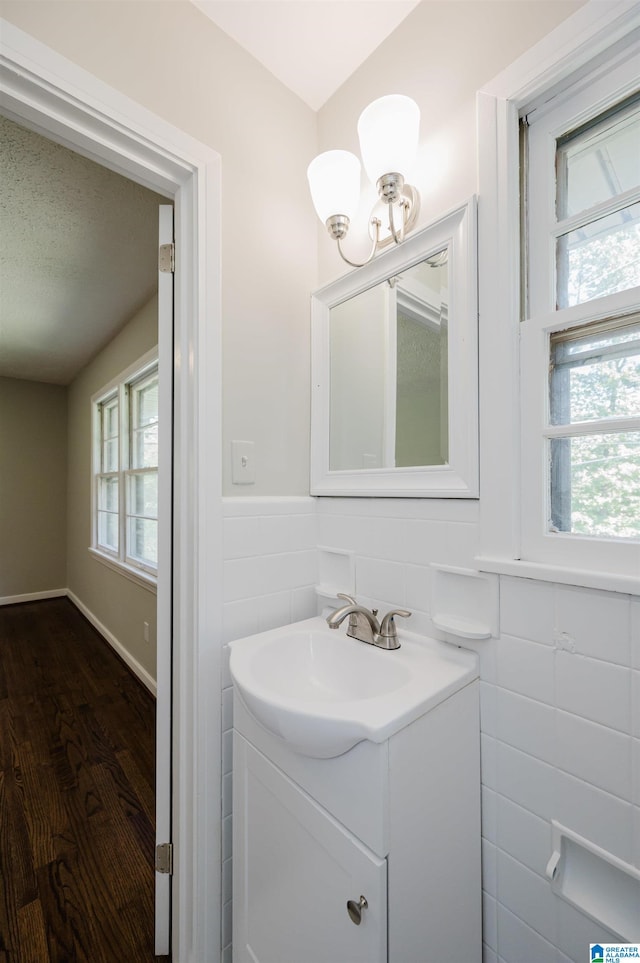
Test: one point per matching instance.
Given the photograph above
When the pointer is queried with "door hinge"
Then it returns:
(164, 858)
(167, 258)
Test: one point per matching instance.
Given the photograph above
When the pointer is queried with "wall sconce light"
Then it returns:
(388, 133)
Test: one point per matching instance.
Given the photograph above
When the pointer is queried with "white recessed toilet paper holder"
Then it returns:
(596, 882)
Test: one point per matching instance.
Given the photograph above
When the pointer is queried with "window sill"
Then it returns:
(143, 579)
(606, 581)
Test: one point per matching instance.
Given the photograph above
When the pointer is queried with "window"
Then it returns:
(598, 225)
(580, 336)
(572, 97)
(125, 444)
(594, 405)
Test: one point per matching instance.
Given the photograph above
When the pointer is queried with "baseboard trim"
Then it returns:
(145, 677)
(33, 596)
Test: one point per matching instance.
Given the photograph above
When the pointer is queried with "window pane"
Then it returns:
(143, 494)
(108, 530)
(110, 455)
(600, 258)
(595, 485)
(595, 375)
(143, 540)
(144, 447)
(144, 422)
(111, 419)
(598, 163)
(108, 494)
(109, 434)
(147, 403)
(144, 402)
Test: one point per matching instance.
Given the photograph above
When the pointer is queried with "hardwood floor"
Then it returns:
(77, 806)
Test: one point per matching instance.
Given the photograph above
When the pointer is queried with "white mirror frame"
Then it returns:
(458, 478)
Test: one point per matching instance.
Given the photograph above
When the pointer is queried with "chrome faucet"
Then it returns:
(364, 625)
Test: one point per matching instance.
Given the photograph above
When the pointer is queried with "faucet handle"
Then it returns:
(388, 628)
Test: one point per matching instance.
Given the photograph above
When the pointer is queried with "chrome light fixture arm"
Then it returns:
(375, 223)
(404, 196)
(405, 205)
(390, 190)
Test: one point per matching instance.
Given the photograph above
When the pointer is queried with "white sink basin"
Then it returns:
(322, 692)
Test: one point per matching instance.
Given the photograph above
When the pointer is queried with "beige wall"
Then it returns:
(197, 78)
(200, 80)
(45, 493)
(121, 605)
(440, 55)
(171, 59)
(33, 481)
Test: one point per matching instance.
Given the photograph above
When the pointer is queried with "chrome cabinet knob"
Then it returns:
(355, 909)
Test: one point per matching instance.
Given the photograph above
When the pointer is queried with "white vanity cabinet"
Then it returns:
(296, 862)
(397, 823)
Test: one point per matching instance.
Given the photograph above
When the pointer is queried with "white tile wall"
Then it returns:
(594, 754)
(598, 621)
(522, 834)
(526, 724)
(526, 781)
(490, 922)
(635, 633)
(594, 689)
(527, 895)
(598, 816)
(526, 609)
(560, 691)
(525, 667)
(520, 943)
(575, 931)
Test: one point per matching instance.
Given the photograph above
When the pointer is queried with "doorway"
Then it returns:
(40, 90)
(82, 299)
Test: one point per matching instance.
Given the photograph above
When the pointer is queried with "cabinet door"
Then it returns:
(295, 868)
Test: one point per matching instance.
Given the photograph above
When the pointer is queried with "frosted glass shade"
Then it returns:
(334, 182)
(388, 131)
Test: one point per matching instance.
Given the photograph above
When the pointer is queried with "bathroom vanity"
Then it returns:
(369, 856)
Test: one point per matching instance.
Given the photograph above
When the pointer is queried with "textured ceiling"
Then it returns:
(78, 256)
(78, 243)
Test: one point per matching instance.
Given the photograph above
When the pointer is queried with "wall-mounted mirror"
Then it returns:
(394, 405)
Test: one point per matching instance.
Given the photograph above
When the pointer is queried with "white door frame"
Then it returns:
(164, 607)
(53, 96)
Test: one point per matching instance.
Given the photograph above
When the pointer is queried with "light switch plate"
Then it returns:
(243, 463)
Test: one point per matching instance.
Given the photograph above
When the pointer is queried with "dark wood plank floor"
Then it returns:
(77, 806)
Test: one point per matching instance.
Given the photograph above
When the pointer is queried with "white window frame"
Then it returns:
(134, 569)
(514, 356)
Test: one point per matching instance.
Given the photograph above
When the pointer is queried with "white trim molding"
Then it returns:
(34, 596)
(138, 670)
(48, 93)
(574, 43)
(536, 77)
(604, 581)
